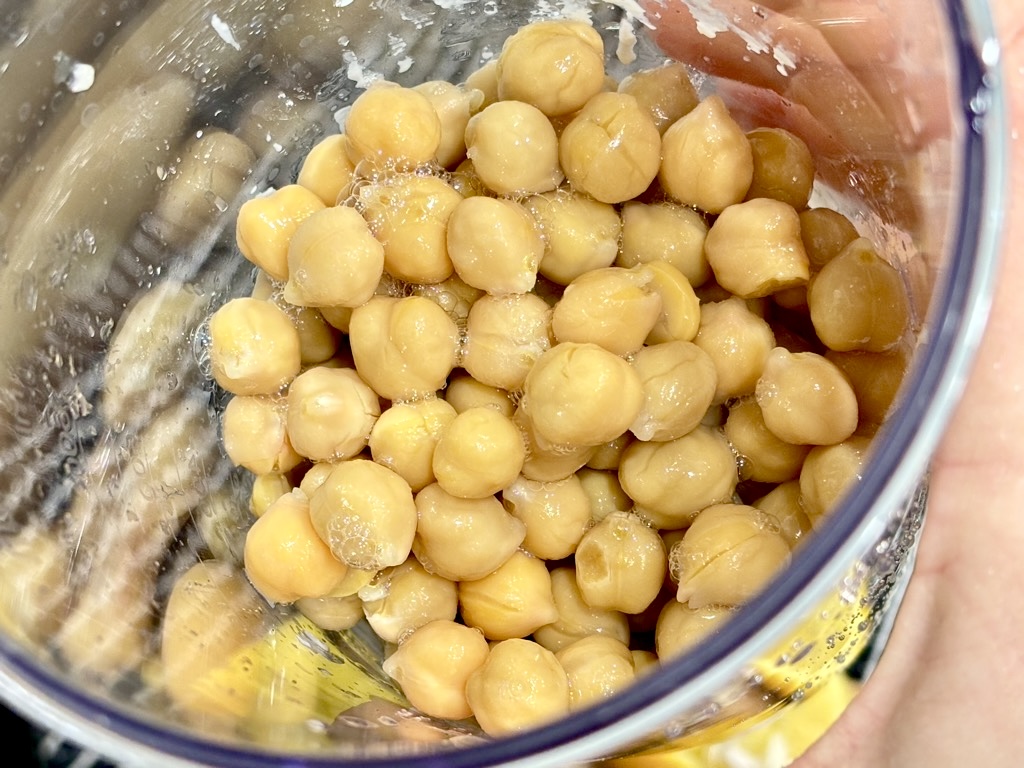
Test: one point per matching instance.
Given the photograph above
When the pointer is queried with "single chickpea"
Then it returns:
(467, 182)
(680, 627)
(680, 308)
(494, 245)
(403, 348)
(254, 347)
(478, 453)
(453, 295)
(315, 476)
(514, 149)
(580, 234)
(645, 662)
(547, 461)
(365, 514)
(738, 341)
(671, 481)
(576, 617)
(763, 457)
(608, 455)
(463, 539)
(611, 150)
(728, 555)
(512, 601)
(830, 471)
(604, 493)
(485, 80)
(403, 439)
(434, 664)
(785, 503)
(612, 307)
(318, 339)
(556, 514)
(783, 167)
(285, 559)
(706, 161)
(754, 248)
(581, 394)
(666, 93)
(402, 599)
(255, 435)
(680, 382)
(555, 65)
(265, 226)
(598, 667)
(335, 614)
(805, 399)
(825, 233)
(454, 106)
(392, 127)
(504, 337)
(327, 170)
(266, 489)
(464, 392)
(876, 378)
(337, 317)
(521, 685)
(664, 232)
(620, 564)
(330, 413)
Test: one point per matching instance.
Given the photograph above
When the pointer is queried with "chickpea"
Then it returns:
(315, 476)
(738, 341)
(706, 161)
(403, 439)
(454, 107)
(680, 627)
(876, 378)
(754, 248)
(485, 80)
(512, 601)
(330, 413)
(598, 667)
(337, 317)
(664, 232)
(680, 308)
(620, 564)
(265, 226)
(403, 348)
(576, 617)
(554, 65)
(504, 337)
(665, 93)
(494, 245)
(402, 599)
(255, 435)
(645, 662)
(335, 614)
(680, 382)
(318, 339)
(365, 514)
(285, 559)
(478, 453)
(556, 514)
(266, 489)
(434, 664)
(825, 233)
(670, 482)
(545, 461)
(604, 493)
(580, 234)
(728, 555)
(514, 149)
(785, 503)
(463, 539)
(608, 455)
(464, 392)
(613, 307)
(764, 458)
(521, 685)
(805, 399)
(327, 170)
(394, 128)
(254, 347)
(829, 472)
(783, 167)
(453, 295)
(611, 150)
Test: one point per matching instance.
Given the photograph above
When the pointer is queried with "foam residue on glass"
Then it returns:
(77, 76)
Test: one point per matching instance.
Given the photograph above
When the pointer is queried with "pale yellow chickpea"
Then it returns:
(763, 457)
(738, 341)
(255, 434)
(554, 65)
(463, 539)
(556, 514)
(706, 161)
(504, 337)
(613, 307)
(453, 295)
(576, 617)
(604, 492)
(611, 150)
(285, 559)
(608, 455)
(464, 392)
(404, 437)
(671, 481)
(335, 614)
(645, 662)
(315, 476)
(520, 686)
(408, 214)
(330, 413)
(680, 382)
(876, 378)
(265, 226)
(783, 167)
(266, 489)
(337, 317)
(485, 80)
(254, 347)
(665, 92)
(598, 667)
(512, 601)
(403, 348)
(680, 627)
(365, 514)
(805, 399)
(679, 319)
(581, 394)
(404, 598)
(547, 461)
(580, 233)
(434, 664)
(392, 127)
(620, 564)
(494, 245)
(728, 555)
(830, 471)
(785, 503)
(318, 339)
(327, 170)
(514, 149)
(454, 106)
(478, 453)
(666, 232)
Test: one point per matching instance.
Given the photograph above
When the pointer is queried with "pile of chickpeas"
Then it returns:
(544, 375)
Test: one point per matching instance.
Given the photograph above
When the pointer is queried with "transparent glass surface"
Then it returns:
(107, 493)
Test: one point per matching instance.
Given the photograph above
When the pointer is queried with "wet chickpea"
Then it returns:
(315, 476)
(680, 382)
(454, 107)
(478, 453)
(365, 514)
(547, 461)
(504, 337)
(557, 66)
(402, 599)
(679, 319)
(330, 413)
(681, 627)
(392, 127)
(520, 686)
(453, 295)
(318, 339)
(727, 555)
(671, 481)
(664, 232)
(485, 80)
(556, 514)
(255, 435)
(828, 473)
(764, 458)
(805, 399)
(754, 248)
(604, 492)
(335, 614)
(620, 564)
(403, 348)
(266, 489)
(598, 667)
(645, 662)
(577, 618)
(611, 150)
(608, 455)
(666, 93)
(783, 167)
(254, 347)
(876, 378)
(434, 664)
(463, 539)
(738, 341)
(265, 226)
(580, 234)
(337, 317)
(825, 233)
(514, 149)
(327, 170)
(706, 161)
(512, 601)
(785, 503)
(403, 439)
(464, 392)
